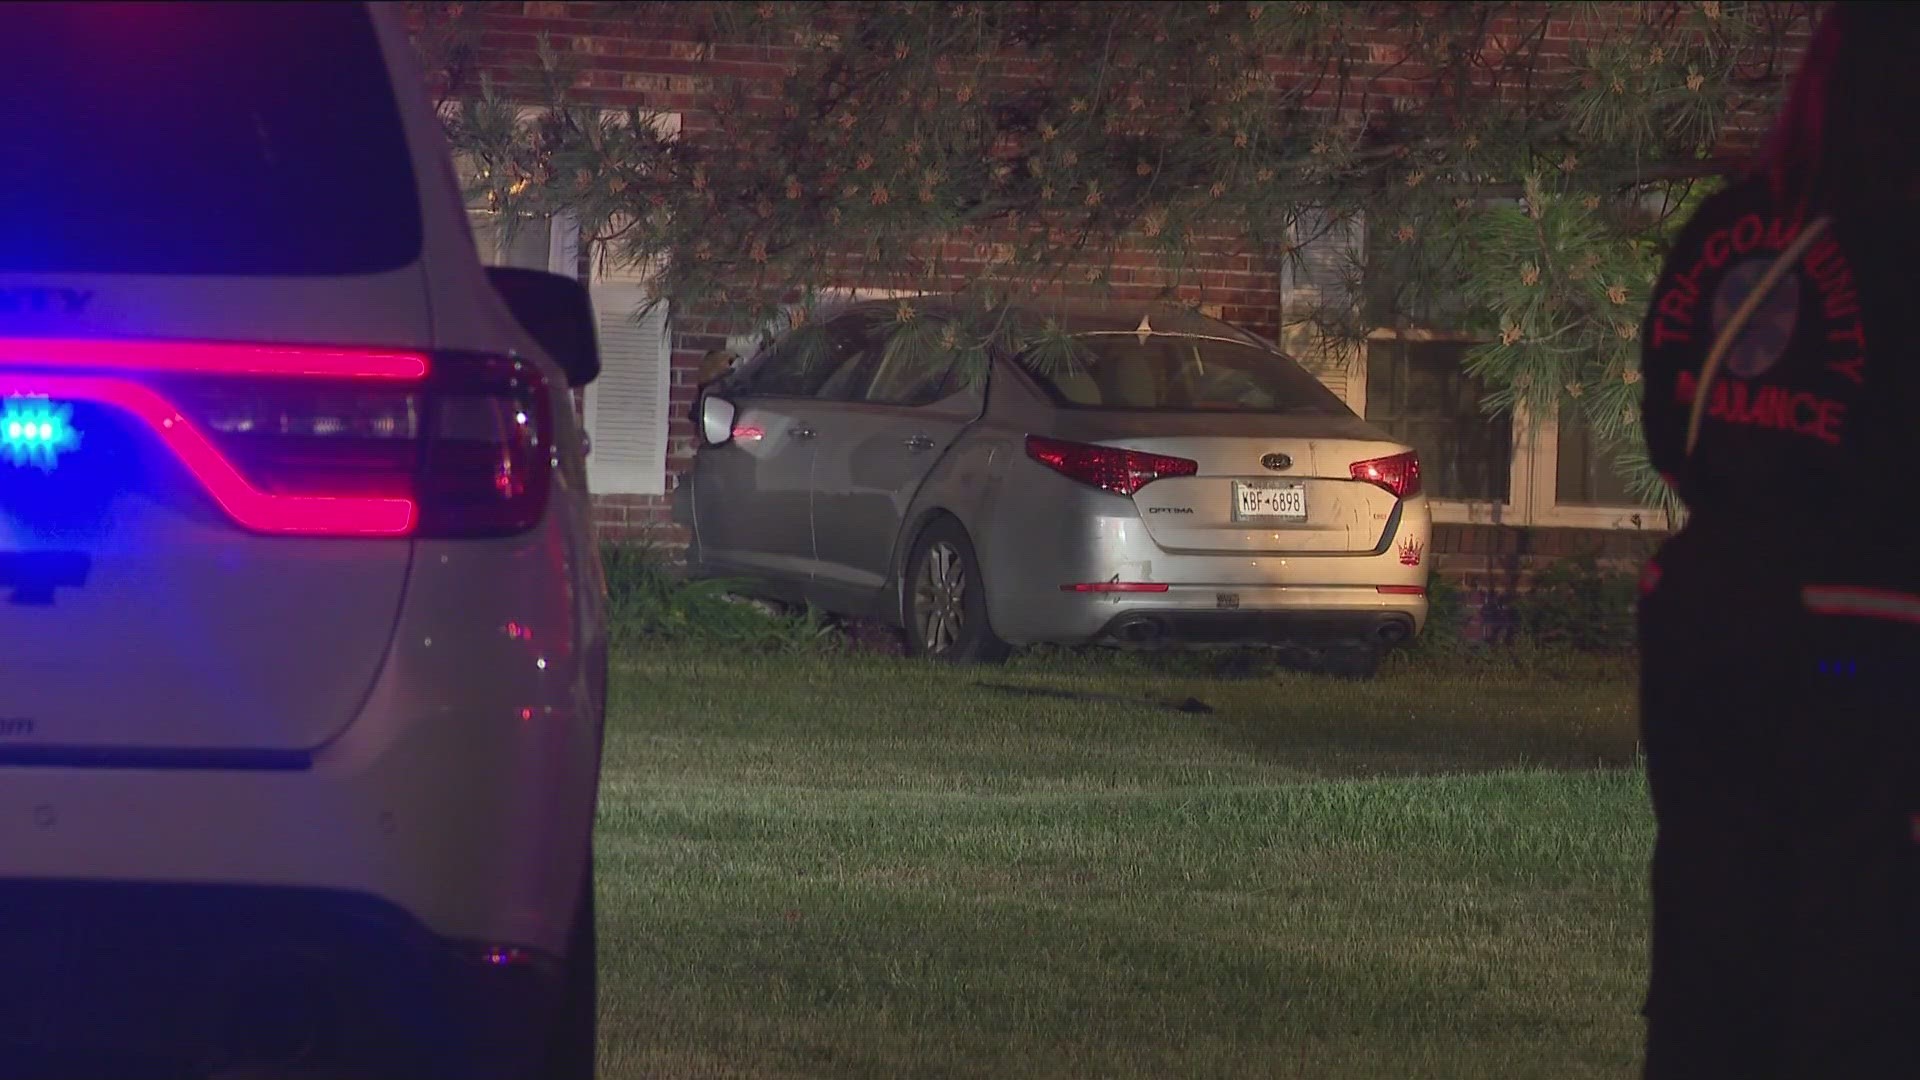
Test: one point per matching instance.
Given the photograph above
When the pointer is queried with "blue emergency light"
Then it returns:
(36, 431)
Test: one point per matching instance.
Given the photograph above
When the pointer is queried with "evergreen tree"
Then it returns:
(1518, 166)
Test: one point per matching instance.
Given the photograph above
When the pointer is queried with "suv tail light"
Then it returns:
(1399, 474)
(1110, 468)
(320, 441)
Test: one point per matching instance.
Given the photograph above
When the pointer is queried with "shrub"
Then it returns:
(1575, 604)
(650, 600)
(1447, 617)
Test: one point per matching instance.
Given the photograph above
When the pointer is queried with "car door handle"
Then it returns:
(802, 432)
(919, 442)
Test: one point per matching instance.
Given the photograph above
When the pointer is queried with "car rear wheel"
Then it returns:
(946, 599)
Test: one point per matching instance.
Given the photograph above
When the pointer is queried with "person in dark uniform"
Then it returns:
(1780, 627)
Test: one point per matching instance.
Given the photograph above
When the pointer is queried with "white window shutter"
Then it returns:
(626, 407)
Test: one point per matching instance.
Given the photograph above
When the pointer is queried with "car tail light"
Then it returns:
(1116, 587)
(319, 441)
(488, 459)
(1399, 474)
(1110, 468)
(1401, 590)
(214, 358)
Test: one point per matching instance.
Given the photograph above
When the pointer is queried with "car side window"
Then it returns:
(785, 370)
(854, 356)
(915, 369)
(801, 364)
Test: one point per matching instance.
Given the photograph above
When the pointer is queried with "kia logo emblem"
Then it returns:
(1276, 462)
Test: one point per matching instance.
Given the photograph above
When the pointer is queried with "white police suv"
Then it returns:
(302, 645)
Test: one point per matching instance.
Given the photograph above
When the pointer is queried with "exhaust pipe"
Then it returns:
(1393, 632)
(1140, 631)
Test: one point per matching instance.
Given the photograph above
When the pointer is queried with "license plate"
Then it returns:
(1254, 501)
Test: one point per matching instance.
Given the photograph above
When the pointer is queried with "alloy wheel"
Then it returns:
(940, 599)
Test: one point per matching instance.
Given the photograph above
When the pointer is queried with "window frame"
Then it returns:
(1520, 466)
(1533, 471)
(1547, 510)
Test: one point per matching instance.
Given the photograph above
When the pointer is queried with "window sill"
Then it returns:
(1628, 518)
(1619, 518)
(1458, 512)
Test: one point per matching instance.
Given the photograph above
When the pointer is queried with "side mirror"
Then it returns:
(556, 312)
(716, 420)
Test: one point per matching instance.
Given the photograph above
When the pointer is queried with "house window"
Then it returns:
(530, 245)
(1409, 379)
(1419, 392)
(1584, 473)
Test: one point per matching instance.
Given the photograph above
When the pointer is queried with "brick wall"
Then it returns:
(644, 55)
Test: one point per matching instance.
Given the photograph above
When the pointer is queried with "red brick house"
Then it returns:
(1509, 492)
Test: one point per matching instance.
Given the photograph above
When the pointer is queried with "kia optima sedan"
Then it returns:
(1129, 475)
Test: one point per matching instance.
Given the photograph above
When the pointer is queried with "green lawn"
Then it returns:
(871, 867)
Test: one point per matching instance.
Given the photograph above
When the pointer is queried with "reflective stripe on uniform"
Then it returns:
(1852, 601)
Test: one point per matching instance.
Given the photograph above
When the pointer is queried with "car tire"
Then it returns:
(946, 599)
(573, 1042)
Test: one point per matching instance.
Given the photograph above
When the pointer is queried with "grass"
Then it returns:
(862, 867)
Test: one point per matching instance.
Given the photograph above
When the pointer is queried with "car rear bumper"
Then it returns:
(168, 980)
(1206, 615)
(1149, 628)
(475, 825)
(462, 794)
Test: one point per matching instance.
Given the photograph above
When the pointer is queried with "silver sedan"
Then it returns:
(1132, 476)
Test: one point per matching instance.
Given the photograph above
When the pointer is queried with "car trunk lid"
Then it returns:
(1261, 485)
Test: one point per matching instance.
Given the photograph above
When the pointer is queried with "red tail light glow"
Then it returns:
(214, 358)
(1399, 474)
(1110, 468)
(1401, 590)
(249, 506)
(322, 442)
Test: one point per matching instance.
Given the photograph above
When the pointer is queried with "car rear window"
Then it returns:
(1176, 374)
(194, 138)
